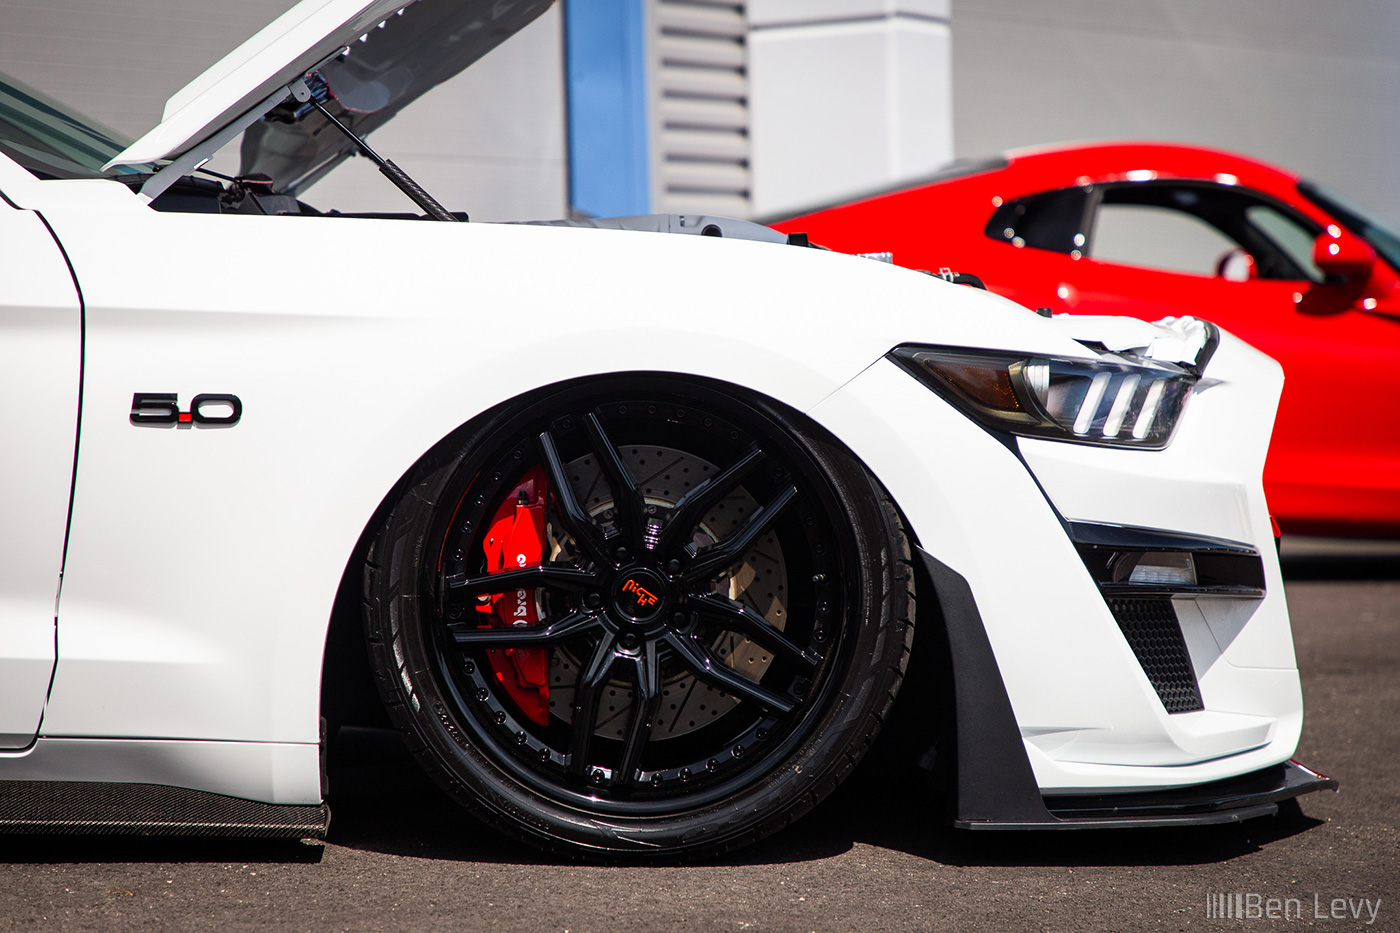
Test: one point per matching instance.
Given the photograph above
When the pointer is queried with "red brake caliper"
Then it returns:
(515, 540)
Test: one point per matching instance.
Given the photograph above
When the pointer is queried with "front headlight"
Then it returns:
(1111, 400)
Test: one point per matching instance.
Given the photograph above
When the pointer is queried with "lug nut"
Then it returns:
(594, 600)
(673, 566)
(621, 554)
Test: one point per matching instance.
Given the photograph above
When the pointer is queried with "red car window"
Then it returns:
(1198, 227)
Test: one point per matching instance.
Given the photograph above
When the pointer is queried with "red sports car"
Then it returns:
(1153, 230)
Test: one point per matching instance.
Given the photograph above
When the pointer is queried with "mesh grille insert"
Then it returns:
(1154, 634)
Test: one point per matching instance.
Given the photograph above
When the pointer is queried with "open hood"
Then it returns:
(373, 58)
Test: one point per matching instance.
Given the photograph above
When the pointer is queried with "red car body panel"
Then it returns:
(1334, 463)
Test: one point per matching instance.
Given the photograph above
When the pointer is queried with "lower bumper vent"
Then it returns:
(1152, 631)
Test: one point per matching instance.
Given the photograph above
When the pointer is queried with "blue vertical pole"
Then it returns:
(609, 134)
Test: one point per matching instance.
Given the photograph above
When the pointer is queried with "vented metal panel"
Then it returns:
(700, 108)
(1152, 631)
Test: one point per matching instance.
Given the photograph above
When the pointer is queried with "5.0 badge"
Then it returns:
(161, 409)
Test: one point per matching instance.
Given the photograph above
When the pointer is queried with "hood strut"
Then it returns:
(302, 93)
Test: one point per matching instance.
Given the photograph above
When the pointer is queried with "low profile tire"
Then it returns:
(640, 617)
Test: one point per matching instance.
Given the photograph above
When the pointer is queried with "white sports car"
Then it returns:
(627, 525)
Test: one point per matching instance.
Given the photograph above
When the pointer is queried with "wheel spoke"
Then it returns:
(560, 630)
(692, 507)
(571, 513)
(715, 558)
(740, 618)
(556, 576)
(711, 669)
(626, 502)
(646, 704)
(588, 694)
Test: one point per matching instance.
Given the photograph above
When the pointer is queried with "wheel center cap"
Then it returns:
(640, 595)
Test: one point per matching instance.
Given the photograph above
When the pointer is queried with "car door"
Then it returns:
(1244, 261)
(40, 369)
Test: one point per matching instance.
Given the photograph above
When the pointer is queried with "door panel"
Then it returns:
(40, 357)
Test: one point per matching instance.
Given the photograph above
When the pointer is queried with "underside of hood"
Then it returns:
(373, 58)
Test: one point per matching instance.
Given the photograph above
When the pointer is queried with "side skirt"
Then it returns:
(150, 809)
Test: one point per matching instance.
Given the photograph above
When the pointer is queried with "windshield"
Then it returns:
(52, 140)
(1358, 220)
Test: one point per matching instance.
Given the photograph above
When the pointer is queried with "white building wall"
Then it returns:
(1310, 86)
(846, 96)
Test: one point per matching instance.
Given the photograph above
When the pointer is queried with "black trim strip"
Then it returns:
(1127, 537)
(1148, 590)
(89, 807)
(1221, 567)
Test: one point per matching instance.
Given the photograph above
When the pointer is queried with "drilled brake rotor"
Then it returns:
(759, 580)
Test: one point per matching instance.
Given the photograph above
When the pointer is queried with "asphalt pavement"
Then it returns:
(873, 857)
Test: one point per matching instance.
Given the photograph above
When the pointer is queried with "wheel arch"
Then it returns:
(348, 693)
(344, 682)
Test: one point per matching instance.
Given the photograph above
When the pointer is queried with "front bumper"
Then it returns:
(1053, 697)
(994, 787)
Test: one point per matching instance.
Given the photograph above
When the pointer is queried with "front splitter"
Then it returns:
(1229, 801)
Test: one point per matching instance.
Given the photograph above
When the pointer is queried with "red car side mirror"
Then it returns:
(1340, 254)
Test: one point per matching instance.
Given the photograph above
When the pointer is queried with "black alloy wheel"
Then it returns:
(639, 616)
